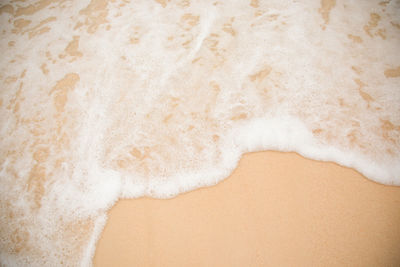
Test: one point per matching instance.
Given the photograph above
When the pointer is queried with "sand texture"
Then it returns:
(276, 209)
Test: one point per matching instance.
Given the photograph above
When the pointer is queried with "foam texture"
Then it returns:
(102, 100)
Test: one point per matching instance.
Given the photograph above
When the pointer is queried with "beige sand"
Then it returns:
(276, 209)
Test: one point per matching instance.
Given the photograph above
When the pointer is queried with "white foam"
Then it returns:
(106, 100)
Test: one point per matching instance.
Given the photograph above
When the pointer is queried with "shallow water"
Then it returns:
(103, 100)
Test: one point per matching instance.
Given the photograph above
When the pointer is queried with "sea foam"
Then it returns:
(102, 100)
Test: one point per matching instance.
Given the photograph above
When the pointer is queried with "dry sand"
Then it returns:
(276, 209)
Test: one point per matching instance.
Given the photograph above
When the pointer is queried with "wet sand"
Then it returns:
(276, 209)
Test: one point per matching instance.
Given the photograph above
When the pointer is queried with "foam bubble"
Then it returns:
(103, 100)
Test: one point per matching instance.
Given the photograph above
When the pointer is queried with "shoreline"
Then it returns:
(276, 207)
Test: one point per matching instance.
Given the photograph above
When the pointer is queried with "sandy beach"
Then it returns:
(120, 122)
(276, 209)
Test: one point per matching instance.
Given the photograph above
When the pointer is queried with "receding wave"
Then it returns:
(102, 100)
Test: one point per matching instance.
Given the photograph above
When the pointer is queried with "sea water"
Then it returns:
(102, 100)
